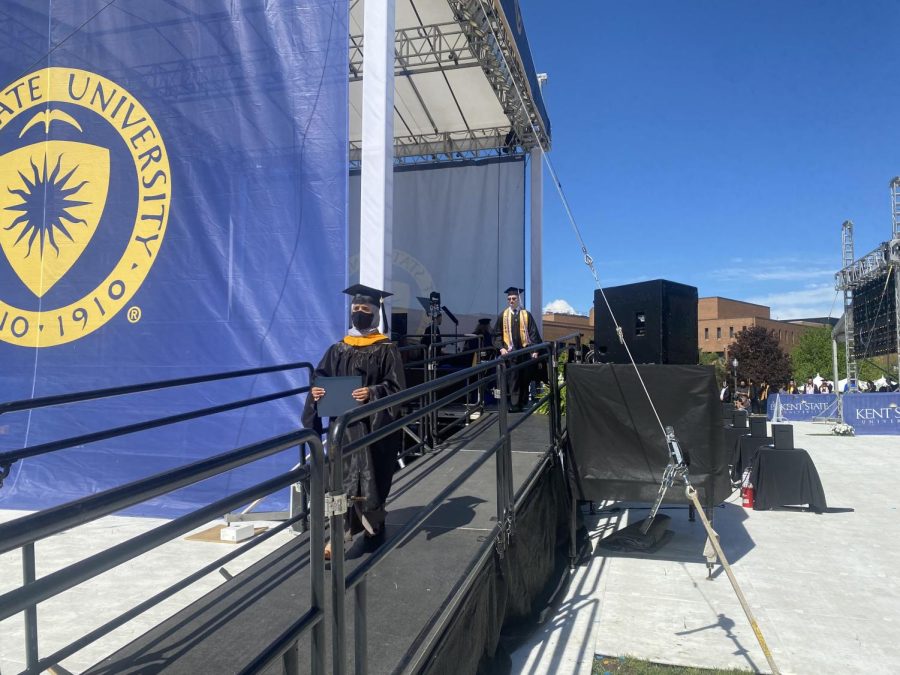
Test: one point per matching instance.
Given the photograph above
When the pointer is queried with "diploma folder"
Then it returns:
(338, 398)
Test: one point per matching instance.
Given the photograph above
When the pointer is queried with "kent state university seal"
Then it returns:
(85, 188)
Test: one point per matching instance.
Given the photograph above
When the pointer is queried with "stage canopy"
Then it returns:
(455, 84)
(451, 82)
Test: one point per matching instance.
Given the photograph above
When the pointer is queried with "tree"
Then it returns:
(760, 357)
(717, 362)
(812, 355)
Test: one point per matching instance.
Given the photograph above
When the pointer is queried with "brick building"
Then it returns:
(720, 319)
(559, 325)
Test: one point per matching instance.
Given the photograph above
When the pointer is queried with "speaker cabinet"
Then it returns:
(658, 319)
(758, 427)
(784, 436)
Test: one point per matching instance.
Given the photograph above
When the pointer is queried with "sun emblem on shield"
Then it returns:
(54, 198)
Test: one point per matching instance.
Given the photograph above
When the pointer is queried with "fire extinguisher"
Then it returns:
(747, 497)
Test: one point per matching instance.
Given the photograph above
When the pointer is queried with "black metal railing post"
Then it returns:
(31, 626)
(335, 509)
(503, 423)
(431, 374)
(553, 381)
(299, 499)
(316, 555)
(360, 628)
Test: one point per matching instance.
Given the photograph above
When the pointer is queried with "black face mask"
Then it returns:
(362, 320)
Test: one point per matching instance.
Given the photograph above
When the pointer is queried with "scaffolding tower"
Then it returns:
(847, 259)
(895, 260)
(880, 263)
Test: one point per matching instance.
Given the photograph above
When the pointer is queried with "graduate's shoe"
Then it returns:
(373, 541)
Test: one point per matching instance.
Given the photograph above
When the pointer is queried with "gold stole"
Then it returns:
(364, 340)
(507, 327)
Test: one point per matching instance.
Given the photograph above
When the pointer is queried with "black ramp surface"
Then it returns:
(221, 632)
(619, 449)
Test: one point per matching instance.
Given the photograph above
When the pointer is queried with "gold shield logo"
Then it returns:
(54, 194)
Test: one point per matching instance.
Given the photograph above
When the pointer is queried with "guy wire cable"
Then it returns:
(690, 490)
(588, 259)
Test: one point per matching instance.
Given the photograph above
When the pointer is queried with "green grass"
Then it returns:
(628, 665)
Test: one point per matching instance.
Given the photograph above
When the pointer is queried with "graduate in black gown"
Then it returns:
(516, 329)
(366, 352)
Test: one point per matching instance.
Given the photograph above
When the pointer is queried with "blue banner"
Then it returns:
(873, 414)
(802, 407)
(173, 189)
(513, 14)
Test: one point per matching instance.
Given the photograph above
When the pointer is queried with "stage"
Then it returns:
(220, 631)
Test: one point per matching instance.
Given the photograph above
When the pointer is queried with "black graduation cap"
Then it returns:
(366, 294)
(513, 289)
(485, 322)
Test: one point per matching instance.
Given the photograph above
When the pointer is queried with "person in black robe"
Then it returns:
(366, 352)
(486, 335)
(432, 334)
(516, 329)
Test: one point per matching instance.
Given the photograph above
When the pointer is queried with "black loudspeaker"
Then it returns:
(740, 419)
(658, 319)
(784, 436)
(758, 427)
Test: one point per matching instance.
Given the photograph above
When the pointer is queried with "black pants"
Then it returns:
(518, 381)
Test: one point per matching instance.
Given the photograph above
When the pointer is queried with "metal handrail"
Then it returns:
(77, 397)
(24, 532)
(338, 451)
(36, 526)
(9, 457)
(164, 594)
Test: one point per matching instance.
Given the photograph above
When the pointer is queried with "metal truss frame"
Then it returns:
(421, 49)
(871, 266)
(467, 42)
(885, 259)
(502, 68)
(450, 146)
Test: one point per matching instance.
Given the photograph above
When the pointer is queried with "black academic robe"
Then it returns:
(518, 380)
(516, 343)
(367, 473)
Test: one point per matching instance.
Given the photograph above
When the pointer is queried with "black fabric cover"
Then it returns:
(731, 435)
(618, 447)
(511, 591)
(745, 453)
(786, 478)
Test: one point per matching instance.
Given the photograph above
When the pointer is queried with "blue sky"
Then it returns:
(718, 143)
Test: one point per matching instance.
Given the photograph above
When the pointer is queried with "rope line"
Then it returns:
(671, 469)
(588, 259)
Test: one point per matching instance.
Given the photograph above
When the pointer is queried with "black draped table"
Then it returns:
(731, 435)
(786, 478)
(745, 449)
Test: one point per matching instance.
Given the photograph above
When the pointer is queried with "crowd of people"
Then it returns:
(748, 395)
(753, 397)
